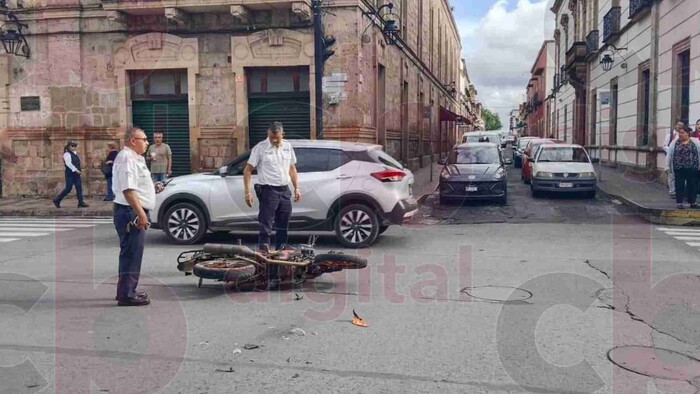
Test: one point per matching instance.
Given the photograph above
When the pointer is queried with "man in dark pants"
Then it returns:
(135, 196)
(275, 161)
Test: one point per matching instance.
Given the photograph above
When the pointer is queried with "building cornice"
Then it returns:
(557, 6)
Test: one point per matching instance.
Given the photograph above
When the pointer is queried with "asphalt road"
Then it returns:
(533, 304)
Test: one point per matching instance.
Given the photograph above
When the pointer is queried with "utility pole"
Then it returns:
(318, 67)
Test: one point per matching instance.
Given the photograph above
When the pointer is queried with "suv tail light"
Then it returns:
(389, 175)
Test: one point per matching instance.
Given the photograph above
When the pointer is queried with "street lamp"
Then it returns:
(11, 37)
(388, 23)
(607, 62)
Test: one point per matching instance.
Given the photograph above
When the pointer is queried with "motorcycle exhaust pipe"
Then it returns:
(224, 249)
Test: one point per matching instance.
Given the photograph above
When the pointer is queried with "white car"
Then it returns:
(563, 168)
(354, 189)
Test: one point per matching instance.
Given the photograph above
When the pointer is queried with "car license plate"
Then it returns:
(566, 185)
(472, 188)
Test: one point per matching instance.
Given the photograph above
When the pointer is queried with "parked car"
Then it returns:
(530, 151)
(474, 171)
(518, 150)
(493, 137)
(563, 168)
(356, 190)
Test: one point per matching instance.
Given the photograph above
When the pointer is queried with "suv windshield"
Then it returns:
(563, 154)
(522, 143)
(479, 138)
(475, 155)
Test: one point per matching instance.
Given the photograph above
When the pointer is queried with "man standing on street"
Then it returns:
(275, 161)
(135, 196)
(161, 158)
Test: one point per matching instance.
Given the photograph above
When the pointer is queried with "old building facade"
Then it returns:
(539, 87)
(627, 73)
(212, 75)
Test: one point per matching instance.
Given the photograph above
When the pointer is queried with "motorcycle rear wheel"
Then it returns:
(223, 269)
(340, 261)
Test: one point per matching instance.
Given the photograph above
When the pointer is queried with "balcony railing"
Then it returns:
(611, 25)
(557, 81)
(592, 44)
(638, 6)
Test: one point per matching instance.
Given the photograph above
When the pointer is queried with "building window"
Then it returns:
(681, 82)
(158, 84)
(613, 111)
(643, 103)
(278, 80)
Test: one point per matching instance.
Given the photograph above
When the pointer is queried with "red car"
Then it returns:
(526, 174)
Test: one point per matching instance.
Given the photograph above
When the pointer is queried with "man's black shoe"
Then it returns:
(56, 204)
(135, 301)
(141, 294)
(82, 205)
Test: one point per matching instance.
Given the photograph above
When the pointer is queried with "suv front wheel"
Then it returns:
(184, 224)
(356, 226)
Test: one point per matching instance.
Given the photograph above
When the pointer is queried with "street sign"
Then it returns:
(605, 98)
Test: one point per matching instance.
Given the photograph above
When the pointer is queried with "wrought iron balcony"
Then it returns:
(611, 25)
(557, 81)
(592, 44)
(638, 6)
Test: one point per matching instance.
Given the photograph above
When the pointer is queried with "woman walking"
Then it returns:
(72, 164)
(112, 153)
(684, 164)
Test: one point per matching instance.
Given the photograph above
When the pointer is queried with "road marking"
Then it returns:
(39, 221)
(694, 244)
(53, 230)
(33, 225)
(682, 233)
(8, 239)
(679, 229)
(12, 234)
(686, 238)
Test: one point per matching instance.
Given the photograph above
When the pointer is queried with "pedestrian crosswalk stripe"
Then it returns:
(44, 225)
(686, 238)
(694, 244)
(682, 233)
(21, 234)
(685, 229)
(15, 228)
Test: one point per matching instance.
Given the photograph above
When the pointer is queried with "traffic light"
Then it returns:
(328, 42)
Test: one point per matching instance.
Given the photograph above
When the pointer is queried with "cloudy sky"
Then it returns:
(500, 40)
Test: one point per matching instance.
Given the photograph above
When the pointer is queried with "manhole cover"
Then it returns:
(655, 362)
(498, 293)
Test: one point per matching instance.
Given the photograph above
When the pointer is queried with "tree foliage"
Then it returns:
(491, 119)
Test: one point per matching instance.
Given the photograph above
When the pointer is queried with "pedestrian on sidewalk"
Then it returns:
(684, 161)
(107, 168)
(135, 197)
(670, 137)
(71, 162)
(696, 133)
(275, 161)
(161, 158)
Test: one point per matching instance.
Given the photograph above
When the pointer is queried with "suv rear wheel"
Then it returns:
(185, 224)
(356, 226)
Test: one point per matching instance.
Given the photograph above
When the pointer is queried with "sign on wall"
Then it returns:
(605, 98)
(30, 103)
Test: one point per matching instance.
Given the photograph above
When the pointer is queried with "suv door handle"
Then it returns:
(343, 177)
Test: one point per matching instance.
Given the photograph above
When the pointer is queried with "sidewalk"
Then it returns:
(647, 197)
(35, 206)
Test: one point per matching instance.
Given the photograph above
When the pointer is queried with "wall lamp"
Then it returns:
(387, 22)
(11, 37)
(607, 60)
(451, 87)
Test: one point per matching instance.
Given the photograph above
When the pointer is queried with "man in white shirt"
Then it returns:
(275, 161)
(670, 137)
(135, 196)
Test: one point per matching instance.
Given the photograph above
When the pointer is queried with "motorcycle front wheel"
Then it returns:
(225, 270)
(339, 261)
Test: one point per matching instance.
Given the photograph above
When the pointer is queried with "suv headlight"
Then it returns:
(543, 174)
(587, 175)
(445, 174)
(499, 174)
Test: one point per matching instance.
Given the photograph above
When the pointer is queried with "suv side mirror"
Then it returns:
(595, 160)
(442, 162)
(531, 159)
(223, 171)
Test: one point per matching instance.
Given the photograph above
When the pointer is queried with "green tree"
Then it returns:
(491, 119)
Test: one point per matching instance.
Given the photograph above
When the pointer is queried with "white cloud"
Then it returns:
(500, 49)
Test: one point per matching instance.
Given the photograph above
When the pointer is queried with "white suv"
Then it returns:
(354, 189)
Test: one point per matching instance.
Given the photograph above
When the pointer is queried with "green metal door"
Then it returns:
(293, 111)
(172, 119)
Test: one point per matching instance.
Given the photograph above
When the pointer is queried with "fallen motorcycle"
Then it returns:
(244, 267)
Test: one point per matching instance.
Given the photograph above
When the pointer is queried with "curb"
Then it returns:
(43, 212)
(674, 217)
